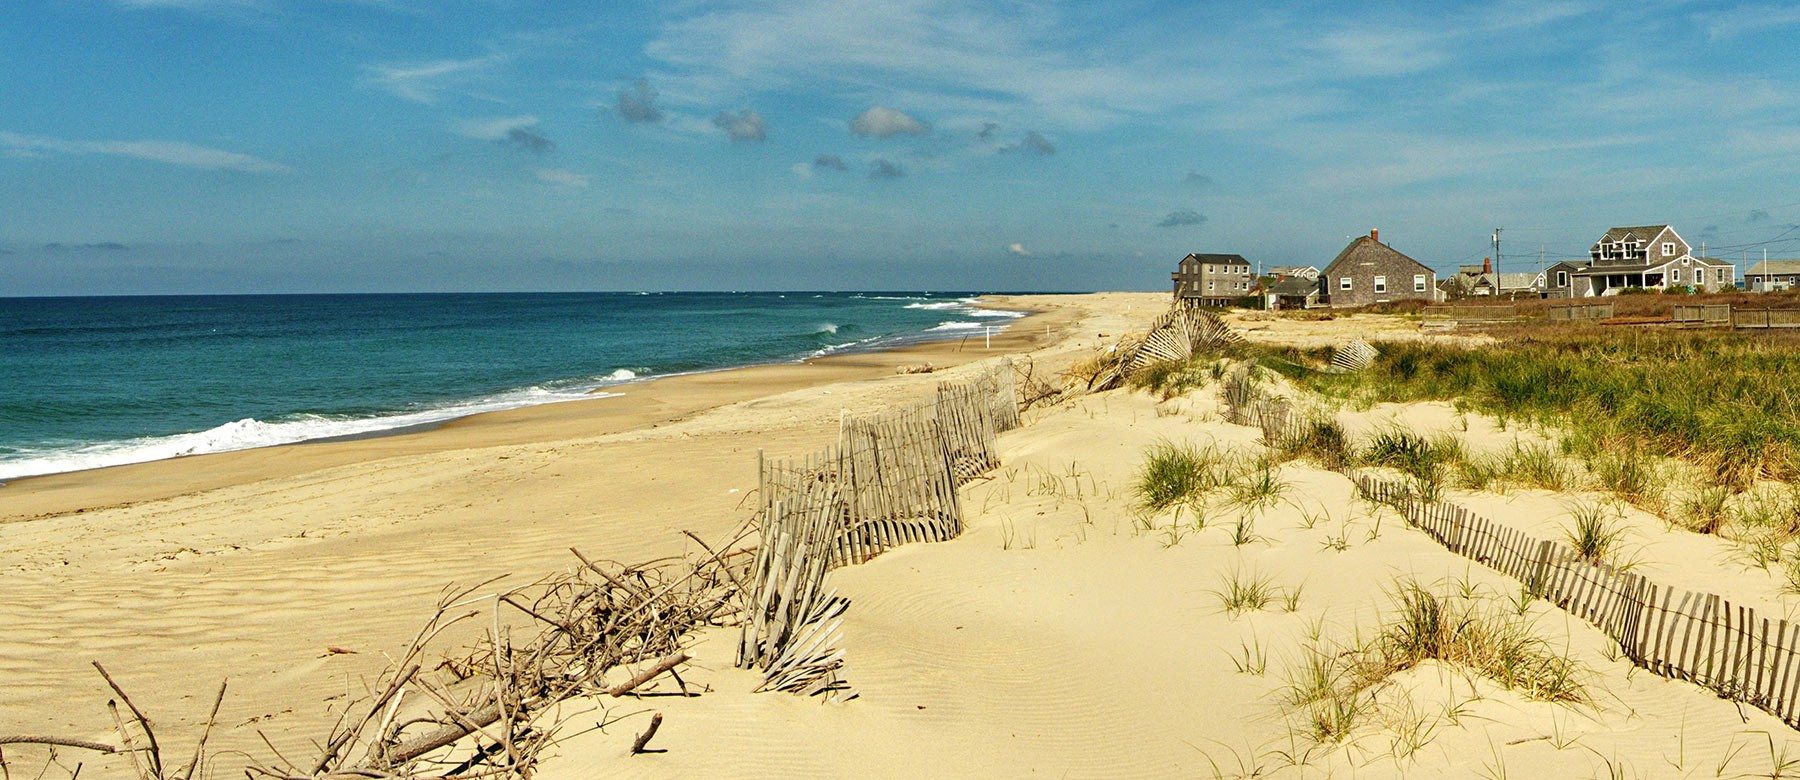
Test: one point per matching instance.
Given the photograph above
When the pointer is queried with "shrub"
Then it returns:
(1179, 473)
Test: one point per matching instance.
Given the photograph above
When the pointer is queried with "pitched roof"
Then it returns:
(1644, 233)
(1291, 270)
(1205, 258)
(1518, 280)
(1771, 267)
(1367, 249)
(1294, 285)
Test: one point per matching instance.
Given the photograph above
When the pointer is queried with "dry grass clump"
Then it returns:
(1243, 591)
(1318, 439)
(1331, 690)
(1175, 474)
(1594, 531)
(1170, 378)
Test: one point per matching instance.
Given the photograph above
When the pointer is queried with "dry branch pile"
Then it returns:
(488, 709)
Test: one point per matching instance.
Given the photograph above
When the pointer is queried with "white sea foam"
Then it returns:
(621, 375)
(829, 327)
(938, 305)
(251, 433)
(953, 325)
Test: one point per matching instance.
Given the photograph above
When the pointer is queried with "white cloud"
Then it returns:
(802, 170)
(495, 129)
(168, 152)
(886, 123)
(1018, 249)
(422, 82)
(1747, 19)
(562, 178)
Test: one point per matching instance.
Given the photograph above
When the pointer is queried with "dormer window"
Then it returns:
(1668, 249)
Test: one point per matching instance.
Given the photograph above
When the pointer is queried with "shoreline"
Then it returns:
(649, 403)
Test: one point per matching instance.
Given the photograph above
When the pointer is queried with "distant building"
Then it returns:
(1563, 280)
(1213, 280)
(1368, 271)
(1650, 256)
(1306, 272)
(1295, 292)
(1770, 275)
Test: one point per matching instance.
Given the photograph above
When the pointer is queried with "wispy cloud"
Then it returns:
(519, 132)
(883, 122)
(1182, 218)
(831, 161)
(1031, 144)
(637, 103)
(562, 178)
(886, 169)
(1018, 249)
(1197, 179)
(746, 126)
(424, 82)
(1748, 19)
(168, 152)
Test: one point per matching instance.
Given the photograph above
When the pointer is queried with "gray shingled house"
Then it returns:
(1212, 279)
(1368, 271)
(1649, 256)
(1773, 275)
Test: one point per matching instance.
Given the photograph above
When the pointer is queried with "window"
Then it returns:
(1675, 275)
(1721, 276)
(1210, 286)
(1562, 278)
(1344, 283)
(1418, 283)
(1380, 284)
(1668, 249)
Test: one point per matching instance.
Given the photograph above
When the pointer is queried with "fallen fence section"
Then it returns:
(891, 479)
(1685, 635)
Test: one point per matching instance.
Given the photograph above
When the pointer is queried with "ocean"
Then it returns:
(91, 382)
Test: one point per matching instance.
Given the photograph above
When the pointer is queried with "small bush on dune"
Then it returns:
(1170, 378)
(1318, 439)
(1179, 473)
(1537, 466)
(1705, 510)
(1332, 689)
(1421, 458)
(1594, 531)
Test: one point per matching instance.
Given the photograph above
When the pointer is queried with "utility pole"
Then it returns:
(1498, 287)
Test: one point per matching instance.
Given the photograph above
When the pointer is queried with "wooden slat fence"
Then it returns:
(891, 479)
(1572, 313)
(1702, 314)
(1685, 635)
(1765, 318)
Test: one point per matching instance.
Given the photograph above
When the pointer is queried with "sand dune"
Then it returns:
(1065, 634)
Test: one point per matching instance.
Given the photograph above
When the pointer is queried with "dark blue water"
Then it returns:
(88, 382)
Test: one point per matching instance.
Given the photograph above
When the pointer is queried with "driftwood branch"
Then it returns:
(40, 739)
(644, 738)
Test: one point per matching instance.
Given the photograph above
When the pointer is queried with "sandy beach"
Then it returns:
(1065, 633)
(248, 565)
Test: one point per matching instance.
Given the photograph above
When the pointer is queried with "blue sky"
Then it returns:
(152, 146)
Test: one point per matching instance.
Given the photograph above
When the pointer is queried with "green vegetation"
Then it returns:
(1180, 474)
(1242, 592)
(1333, 689)
(1594, 531)
(1725, 400)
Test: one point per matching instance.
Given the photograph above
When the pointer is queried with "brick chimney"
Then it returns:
(1375, 233)
(1487, 265)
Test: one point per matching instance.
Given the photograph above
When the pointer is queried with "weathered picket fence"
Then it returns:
(890, 480)
(1685, 635)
